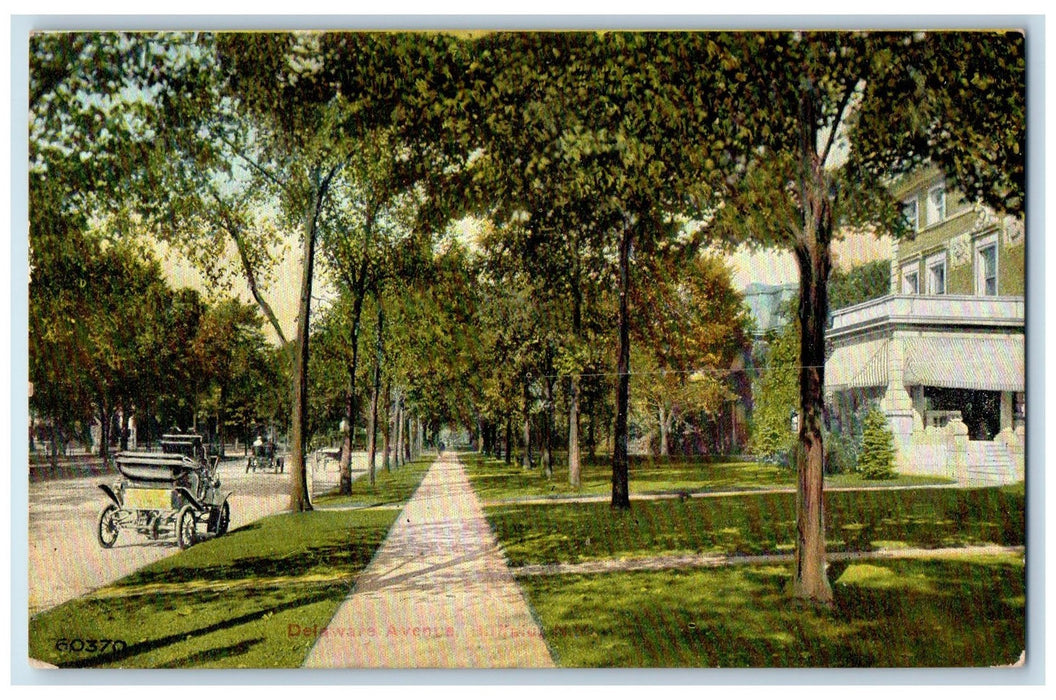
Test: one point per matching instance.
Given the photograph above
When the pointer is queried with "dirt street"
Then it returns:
(65, 559)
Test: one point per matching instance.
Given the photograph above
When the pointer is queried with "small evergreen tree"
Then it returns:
(878, 447)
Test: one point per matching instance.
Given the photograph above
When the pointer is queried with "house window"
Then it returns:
(910, 214)
(986, 267)
(910, 279)
(936, 207)
(936, 266)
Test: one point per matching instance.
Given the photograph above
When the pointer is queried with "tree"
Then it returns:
(592, 135)
(230, 362)
(858, 284)
(99, 103)
(152, 117)
(690, 323)
(304, 128)
(816, 124)
(108, 336)
(776, 397)
(877, 455)
(370, 236)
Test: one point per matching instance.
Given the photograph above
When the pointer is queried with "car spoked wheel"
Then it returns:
(186, 527)
(108, 527)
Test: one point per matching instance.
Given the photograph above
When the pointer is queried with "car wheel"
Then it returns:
(186, 527)
(108, 527)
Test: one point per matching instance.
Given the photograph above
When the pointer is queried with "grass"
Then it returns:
(495, 480)
(757, 524)
(963, 612)
(393, 486)
(231, 602)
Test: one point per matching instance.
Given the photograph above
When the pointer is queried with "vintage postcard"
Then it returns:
(695, 349)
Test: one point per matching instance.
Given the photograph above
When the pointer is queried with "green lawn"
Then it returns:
(893, 613)
(232, 602)
(389, 487)
(494, 480)
(757, 524)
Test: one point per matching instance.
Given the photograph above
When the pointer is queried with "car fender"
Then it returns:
(111, 494)
(216, 500)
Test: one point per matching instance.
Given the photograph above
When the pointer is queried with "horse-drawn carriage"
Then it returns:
(264, 458)
(172, 493)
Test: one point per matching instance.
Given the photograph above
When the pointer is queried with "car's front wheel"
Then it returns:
(186, 527)
(108, 527)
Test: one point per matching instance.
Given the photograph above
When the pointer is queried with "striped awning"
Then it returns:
(857, 366)
(994, 363)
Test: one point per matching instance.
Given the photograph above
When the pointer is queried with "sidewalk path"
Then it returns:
(438, 593)
(684, 495)
(689, 561)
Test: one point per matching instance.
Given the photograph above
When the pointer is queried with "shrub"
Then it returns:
(878, 447)
(841, 452)
(843, 446)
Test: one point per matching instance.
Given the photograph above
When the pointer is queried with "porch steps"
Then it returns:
(989, 464)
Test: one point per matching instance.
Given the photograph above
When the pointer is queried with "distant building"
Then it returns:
(768, 303)
(943, 355)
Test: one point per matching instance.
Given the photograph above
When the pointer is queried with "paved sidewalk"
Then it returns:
(706, 561)
(438, 593)
(704, 493)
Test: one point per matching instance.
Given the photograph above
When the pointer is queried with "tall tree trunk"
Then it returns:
(665, 430)
(526, 456)
(105, 417)
(573, 433)
(386, 429)
(548, 424)
(399, 431)
(124, 428)
(574, 467)
(55, 442)
(407, 437)
(221, 418)
(351, 410)
(375, 391)
(300, 498)
(509, 437)
(813, 257)
(621, 498)
(592, 438)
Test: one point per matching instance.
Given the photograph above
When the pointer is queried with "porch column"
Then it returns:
(919, 409)
(1009, 434)
(897, 405)
(1006, 413)
(957, 447)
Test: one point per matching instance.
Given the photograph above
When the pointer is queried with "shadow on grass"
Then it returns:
(328, 557)
(149, 645)
(891, 613)
(215, 654)
(752, 524)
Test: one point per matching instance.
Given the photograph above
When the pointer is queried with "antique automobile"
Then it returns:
(263, 457)
(175, 492)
